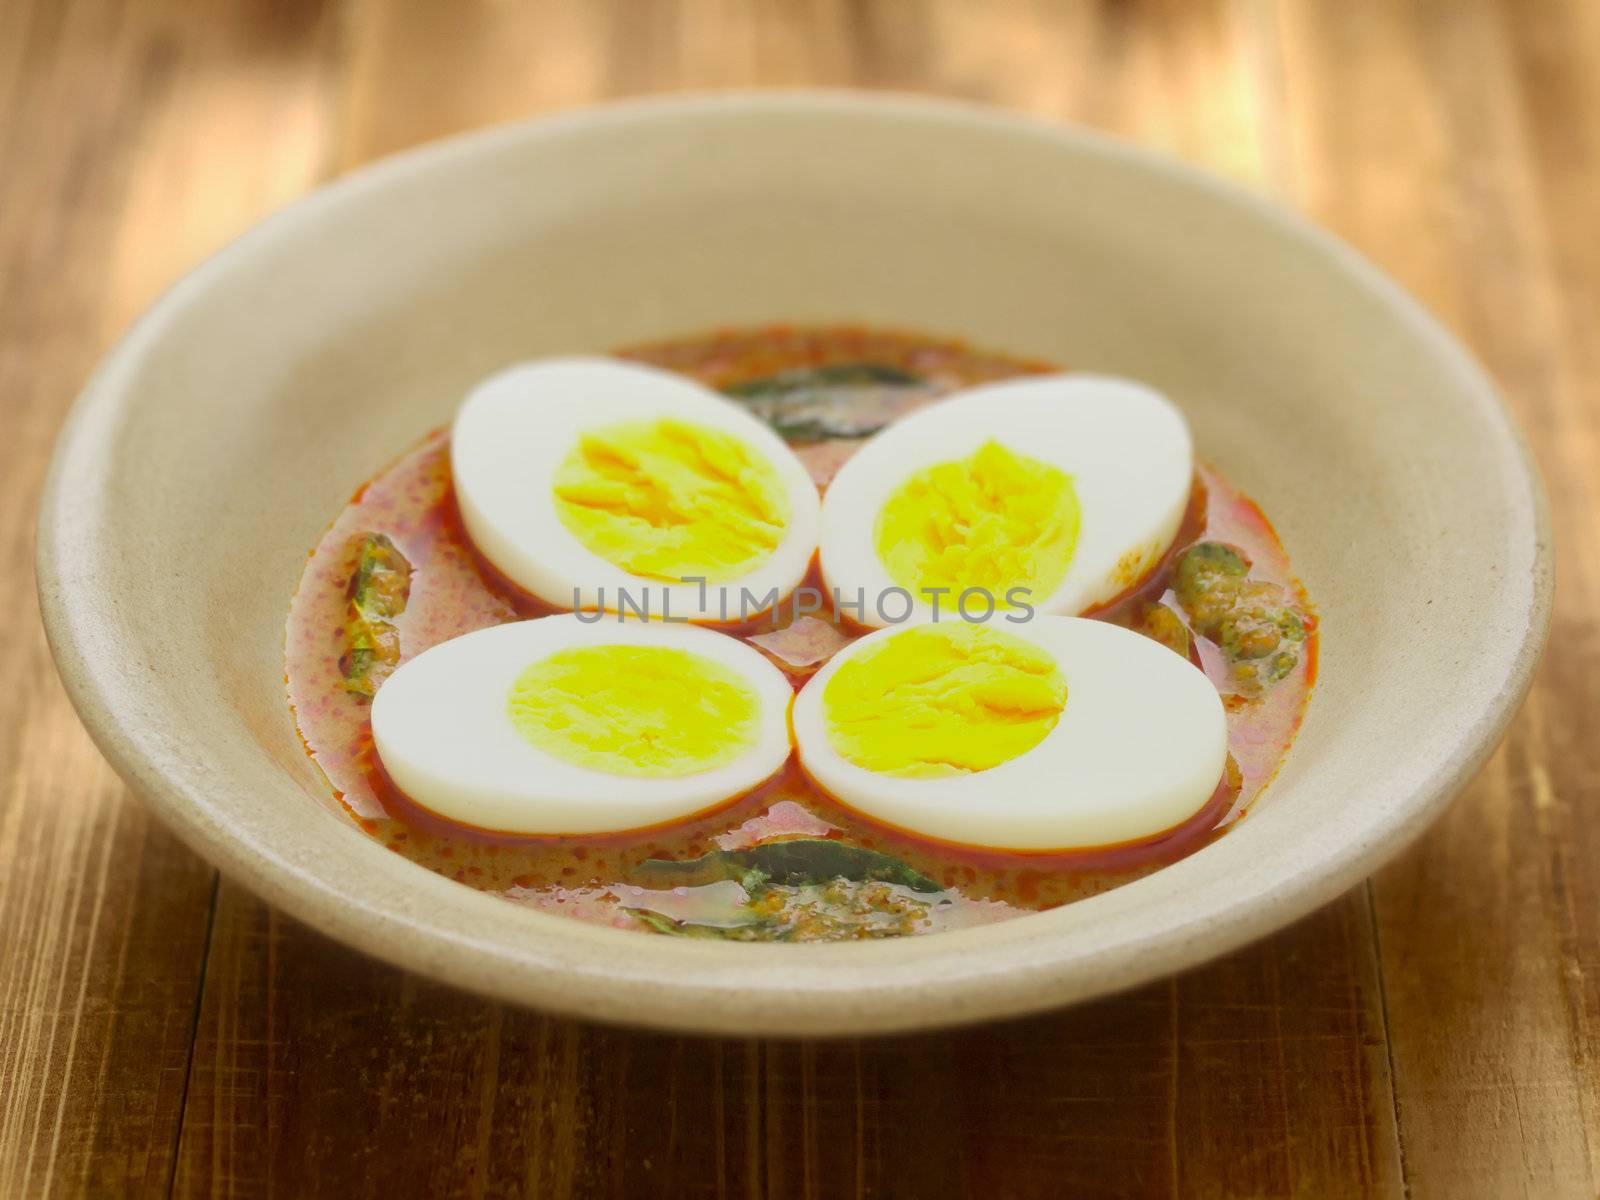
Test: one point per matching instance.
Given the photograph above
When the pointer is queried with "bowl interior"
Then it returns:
(213, 448)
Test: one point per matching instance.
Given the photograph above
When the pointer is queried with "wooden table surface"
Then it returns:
(1436, 1031)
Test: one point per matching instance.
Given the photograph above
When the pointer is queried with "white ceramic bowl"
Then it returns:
(218, 440)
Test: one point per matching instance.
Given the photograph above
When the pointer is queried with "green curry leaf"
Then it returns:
(842, 400)
(793, 863)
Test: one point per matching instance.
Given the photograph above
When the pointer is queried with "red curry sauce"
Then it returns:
(865, 377)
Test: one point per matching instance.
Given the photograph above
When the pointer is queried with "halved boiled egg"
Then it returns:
(573, 725)
(598, 484)
(1055, 492)
(1052, 734)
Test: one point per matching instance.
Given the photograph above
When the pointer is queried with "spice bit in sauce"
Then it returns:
(840, 910)
(1161, 623)
(379, 587)
(1256, 624)
(800, 889)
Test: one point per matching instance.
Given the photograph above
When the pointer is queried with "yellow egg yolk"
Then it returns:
(672, 500)
(942, 700)
(996, 520)
(649, 711)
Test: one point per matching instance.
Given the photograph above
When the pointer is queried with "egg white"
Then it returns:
(443, 732)
(1139, 748)
(1126, 447)
(515, 429)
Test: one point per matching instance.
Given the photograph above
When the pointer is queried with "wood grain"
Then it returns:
(1427, 154)
(132, 140)
(1433, 1033)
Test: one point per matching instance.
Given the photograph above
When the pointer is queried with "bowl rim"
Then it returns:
(746, 989)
